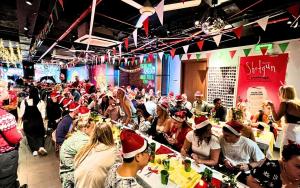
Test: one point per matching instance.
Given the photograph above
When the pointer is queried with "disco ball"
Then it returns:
(213, 26)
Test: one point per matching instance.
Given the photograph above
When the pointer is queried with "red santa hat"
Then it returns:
(60, 99)
(198, 94)
(234, 126)
(54, 95)
(179, 116)
(200, 122)
(83, 111)
(132, 143)
(66, 102)
(164, 105)
(74, 106)
(179, 98)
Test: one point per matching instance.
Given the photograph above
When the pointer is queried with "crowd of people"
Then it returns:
(90, 157)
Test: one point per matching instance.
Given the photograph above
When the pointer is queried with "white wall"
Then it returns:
(221, 58)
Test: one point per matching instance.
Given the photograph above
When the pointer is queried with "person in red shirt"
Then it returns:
(10, 138)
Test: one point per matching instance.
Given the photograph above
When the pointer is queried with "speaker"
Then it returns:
(28, 68)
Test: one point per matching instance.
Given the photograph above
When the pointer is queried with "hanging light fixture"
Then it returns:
(29, 2)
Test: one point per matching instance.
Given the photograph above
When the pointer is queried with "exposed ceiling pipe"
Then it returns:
(91, 23)
(71, 27)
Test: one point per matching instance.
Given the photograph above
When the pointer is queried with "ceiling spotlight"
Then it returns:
(29, 2)
(289, 22)
(25, 28)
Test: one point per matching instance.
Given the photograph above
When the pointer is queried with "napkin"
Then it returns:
(163, 150)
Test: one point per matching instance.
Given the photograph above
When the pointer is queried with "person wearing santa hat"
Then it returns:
(82, 130)
(240, 153)
(53, 111)
(65, 125)
(180, 107)
(176, 131)
(126, 106)
(204, 145)
(136, 155)
(200, 107)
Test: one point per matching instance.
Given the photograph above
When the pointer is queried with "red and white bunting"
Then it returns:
(120, 50)
(263, 22)
(189, 56)
(238, 31)
(135, 37)
(185, 48)
(126, 60)
(217, 39)
(141, 58)
(126, 43)
(159, 9)
(146, 26)
(172, 52)
(200, 44)
(161, 54)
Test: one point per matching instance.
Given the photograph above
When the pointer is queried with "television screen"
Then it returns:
(11, 73)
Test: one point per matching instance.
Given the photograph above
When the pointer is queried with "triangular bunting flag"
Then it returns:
(161, 54)
(217, 39)
(180, 56)
(247, 51)
(102, 59)
(61, 2)
(126, 43)
(238, 31)
(185, 48)
(141, 58)
(167, 56)
(136, 62)
(264, 50)
(114, 51)
(135, 37)
(198, 56)
(294, 10)
(232, 53)
(283, 46)
(263, 22)
(150, 57)
(113, 60)
(189, 56)
(208, 55)
(146, 26)
(120, 50)
(172, 52)
(200, 44)
(159, 9)
(125, 60)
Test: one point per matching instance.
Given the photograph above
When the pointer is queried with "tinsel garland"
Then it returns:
(130, 71)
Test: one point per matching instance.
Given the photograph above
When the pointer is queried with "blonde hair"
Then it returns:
(101, 134)
(289, 93)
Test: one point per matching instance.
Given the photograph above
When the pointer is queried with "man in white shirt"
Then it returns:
(187, 104)
(239, 152)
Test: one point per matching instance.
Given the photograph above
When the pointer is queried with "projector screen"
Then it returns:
(82, 72)
(42, 70)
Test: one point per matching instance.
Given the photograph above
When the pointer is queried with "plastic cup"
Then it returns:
(164, 177)
(187, 165)
(153, 146)
(166, 163)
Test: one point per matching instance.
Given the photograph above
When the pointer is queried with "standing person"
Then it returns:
(94, 160)
(126, 106)
(187, 104)
(113, 110)
(10, 138)
(136, 155)
(33, 112)
(53, 110)
(290, 109)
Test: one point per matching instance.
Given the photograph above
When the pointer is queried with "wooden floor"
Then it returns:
(38, 172)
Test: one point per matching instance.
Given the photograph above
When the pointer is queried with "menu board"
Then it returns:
(221, 84)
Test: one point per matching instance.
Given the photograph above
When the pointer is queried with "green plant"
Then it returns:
(230, 180)
(207, 175)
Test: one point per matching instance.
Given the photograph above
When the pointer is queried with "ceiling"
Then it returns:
(116, 20)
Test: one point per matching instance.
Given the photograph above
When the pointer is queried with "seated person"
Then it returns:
(136, 155)
(179, 106)
(205, 146)
(176, 131)
(160, 122)
(200, 107)
(239, 152)
(278, 173)
(218, 111)
(113, 110)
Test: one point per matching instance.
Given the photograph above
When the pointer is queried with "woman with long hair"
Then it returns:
(79, 137)
(33, 112)
(290, 109)
(204, 145)
(95, 159)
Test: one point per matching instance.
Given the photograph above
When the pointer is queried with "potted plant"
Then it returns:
(207, 175)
